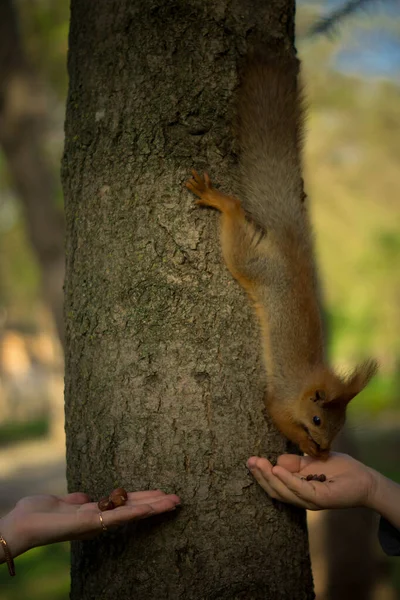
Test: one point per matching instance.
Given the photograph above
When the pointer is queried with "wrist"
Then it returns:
(379, 492)
(385, 498)
(373, 494)
(12, 531)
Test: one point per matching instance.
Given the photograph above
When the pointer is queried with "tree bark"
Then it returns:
(23, 120)
(164, 383)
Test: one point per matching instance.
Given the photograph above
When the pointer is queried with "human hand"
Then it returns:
(40, 520)
(348, 482)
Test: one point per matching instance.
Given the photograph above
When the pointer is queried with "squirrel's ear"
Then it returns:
(319, 397)
(357, 381)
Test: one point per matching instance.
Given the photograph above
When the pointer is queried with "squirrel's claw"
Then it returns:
(199, 185)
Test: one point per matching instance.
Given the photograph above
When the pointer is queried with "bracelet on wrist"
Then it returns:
(8, 556)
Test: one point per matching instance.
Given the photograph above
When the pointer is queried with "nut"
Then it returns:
(121, 492)
(105, 504)
(321, 477)
(118, 497)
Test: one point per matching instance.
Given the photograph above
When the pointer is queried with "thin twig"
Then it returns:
(326, 25)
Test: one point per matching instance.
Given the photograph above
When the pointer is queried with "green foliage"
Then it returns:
(380, 394)
(44, 27)
(19, 273)
(41, 574)
(352, 177)
(12, 432)
(20, 282)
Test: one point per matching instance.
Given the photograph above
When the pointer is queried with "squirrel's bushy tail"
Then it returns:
(271, 122)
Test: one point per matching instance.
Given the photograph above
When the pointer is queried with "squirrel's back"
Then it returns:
(271, 122)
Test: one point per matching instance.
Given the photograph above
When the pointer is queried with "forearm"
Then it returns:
(385, 499)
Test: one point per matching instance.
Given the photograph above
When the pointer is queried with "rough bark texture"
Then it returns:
(164, 383)
(23, 120)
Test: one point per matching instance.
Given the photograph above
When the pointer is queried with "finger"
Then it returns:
(145, 494)
(307, 462)
(294, 463)
(193, 187)
(136, 499)
(264, 474)
(261, 470)
(75, 498)
(260, 463)
(207, 180)
(300, 488)
(196, 176)
(278, 490)
(126, 513)
(92, 524)
(290, 462)
(263, 482)
(154, 500)
(288, 495)
(162, 505)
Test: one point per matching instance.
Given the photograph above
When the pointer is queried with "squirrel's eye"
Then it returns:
(316, 420)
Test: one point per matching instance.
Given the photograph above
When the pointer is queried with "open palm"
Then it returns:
(39, 520)
(348, 482)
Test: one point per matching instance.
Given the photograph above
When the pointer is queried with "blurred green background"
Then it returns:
(352, 77)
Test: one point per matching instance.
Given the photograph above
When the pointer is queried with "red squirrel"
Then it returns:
(267, 244)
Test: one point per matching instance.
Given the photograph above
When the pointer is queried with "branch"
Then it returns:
(328, 24)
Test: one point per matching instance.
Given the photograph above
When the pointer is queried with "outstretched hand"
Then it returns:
(348, 482)
(40, 520)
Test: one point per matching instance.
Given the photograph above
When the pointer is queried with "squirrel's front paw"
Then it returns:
(209, 196)
(201, 186)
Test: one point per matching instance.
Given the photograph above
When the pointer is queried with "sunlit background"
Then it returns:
(351, 66)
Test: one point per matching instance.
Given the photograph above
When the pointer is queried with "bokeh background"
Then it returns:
(351, 66)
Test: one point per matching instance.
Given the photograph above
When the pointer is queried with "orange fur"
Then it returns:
(268, 247)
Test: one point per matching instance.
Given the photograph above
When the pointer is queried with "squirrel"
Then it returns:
(267, 245)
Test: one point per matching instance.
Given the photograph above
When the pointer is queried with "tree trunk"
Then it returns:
(23, 119)
(164, 383)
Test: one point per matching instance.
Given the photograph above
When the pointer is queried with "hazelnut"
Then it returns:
(118, 497)
(105, 504)
(121, 492)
